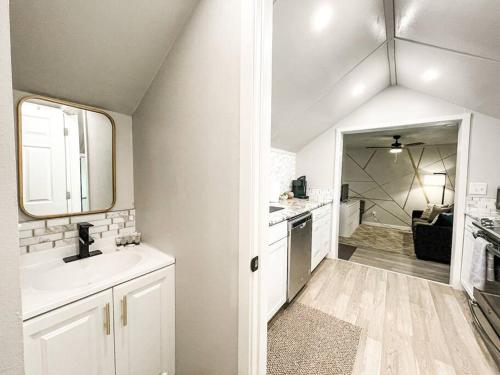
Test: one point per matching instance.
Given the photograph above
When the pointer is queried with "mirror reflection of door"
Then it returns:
(44, 162)
(67, 158)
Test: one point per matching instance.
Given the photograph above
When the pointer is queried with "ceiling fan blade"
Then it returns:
(376, 147)
(414, 144)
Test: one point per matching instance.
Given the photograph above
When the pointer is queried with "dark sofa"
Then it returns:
(432, 241)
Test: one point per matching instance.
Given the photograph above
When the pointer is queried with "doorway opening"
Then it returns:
(397, 199)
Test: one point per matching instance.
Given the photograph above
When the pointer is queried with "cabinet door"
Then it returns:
(144, 316)
(76, 339)
(275, 273)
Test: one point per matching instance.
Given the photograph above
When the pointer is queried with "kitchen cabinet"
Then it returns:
(467, 253)
(125, 330)
(321, 234)
(275, 268)
(349, 217)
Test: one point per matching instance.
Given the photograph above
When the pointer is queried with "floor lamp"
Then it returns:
(436, 179)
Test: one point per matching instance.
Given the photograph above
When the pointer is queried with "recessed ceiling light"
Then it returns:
(358, 90)
(321, 17)
(430, 75)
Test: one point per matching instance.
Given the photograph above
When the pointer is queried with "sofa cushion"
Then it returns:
(445, 219)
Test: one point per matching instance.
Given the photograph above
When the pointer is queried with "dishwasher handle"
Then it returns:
(300, 222)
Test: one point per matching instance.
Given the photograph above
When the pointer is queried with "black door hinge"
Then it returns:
(254, 264)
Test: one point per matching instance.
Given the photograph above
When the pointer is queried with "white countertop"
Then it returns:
(48, 283)
(478, 215)
(293, 207)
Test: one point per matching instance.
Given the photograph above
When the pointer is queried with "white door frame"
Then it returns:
(463, 121)
(255, 140)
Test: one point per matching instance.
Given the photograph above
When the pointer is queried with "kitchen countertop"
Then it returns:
(48, 283)
(481, 215)
(293, 207)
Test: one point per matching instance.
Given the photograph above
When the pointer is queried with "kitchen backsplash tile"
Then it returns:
(282, 169)
(46, 234)
(480, 205)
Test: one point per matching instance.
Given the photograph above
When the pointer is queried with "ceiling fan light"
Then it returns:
(395, 150)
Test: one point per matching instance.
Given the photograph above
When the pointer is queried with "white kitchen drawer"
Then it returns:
(277, 232)
(321, 212)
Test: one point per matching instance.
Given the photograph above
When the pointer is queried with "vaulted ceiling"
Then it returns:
(331, 56)
(97, 52)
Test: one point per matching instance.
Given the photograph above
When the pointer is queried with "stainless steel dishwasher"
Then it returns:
(299, 253)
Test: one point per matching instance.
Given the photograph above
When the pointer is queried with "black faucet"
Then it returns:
(84, 242)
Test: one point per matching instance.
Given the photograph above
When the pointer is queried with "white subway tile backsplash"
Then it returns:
(94, 230)
(114, 214)
(45, 234)
(28, 241)
(98, 223)
(49, 237)
(111, 233)
(25, 233)
(41, 246)
(126, 231)
(71, 234)
(59, 221)
(31, 225)
(55, 229)
(83, 218)
(116, 226)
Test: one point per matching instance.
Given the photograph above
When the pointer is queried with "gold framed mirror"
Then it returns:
(66, 158)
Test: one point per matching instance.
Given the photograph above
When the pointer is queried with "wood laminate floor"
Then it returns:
(409, 325)
(402, 263)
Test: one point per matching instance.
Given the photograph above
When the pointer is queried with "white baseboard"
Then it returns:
(400, 227)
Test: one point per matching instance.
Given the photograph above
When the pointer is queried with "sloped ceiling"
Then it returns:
(445, 48)
(97, 52)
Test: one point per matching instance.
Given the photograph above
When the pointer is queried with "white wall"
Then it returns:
(124, 159)
(11, 352)
(186, 162)
(399, 104)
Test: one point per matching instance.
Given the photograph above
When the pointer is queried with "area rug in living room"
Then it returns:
(305, 341)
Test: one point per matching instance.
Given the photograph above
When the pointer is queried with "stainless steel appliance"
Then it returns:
(485, 306)
(299, 253)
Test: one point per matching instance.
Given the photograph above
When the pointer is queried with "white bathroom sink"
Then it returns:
(49, 283)
(85, 272)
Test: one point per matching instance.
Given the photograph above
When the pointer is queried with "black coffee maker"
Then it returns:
(299, 188)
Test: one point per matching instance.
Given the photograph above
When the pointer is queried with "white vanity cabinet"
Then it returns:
(275, 268)
(125, 330)
(321, 234)
(145, 325)
(76, 339)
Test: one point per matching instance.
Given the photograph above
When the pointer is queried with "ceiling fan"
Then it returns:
(397, 146)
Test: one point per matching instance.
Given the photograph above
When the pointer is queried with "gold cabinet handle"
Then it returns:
(107, 319)
(124, 311)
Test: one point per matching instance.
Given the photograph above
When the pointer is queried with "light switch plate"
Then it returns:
(478, 188)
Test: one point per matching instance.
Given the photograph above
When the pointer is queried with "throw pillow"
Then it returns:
(427, 212)
(436, 210)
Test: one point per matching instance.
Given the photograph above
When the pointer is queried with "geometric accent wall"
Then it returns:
(390, 184)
